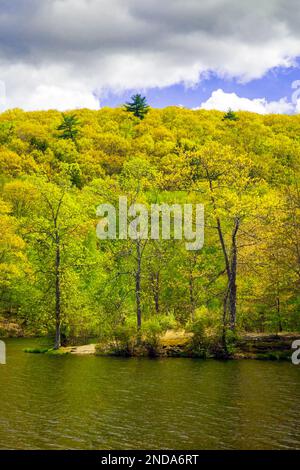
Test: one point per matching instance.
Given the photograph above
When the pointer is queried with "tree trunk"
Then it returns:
(232, 279)
(57, 295)
(279, 314)
(230, 264)
(225, 301)
(192, 297)
(156, 291)
(232, 297)
(138, 285)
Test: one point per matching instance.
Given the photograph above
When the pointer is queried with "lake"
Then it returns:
(87, 402)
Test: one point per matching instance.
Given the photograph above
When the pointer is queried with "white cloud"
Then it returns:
(60, 98)
(223, 101)
(3, 103)
(297, 107)
(296, 95)
(58, 52)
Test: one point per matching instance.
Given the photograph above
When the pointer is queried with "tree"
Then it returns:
(55, 230)
(69, 127)
(12, 254)
(233, 194)
(230, 115)
(138, 106)
(136, 177)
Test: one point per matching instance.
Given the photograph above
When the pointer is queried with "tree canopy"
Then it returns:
(56, 170)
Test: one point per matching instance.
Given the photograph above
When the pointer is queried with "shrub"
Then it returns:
(207, 335)
(119, 339)
(231, 338)
(151, 332)
(167, 322)
(199, 341)
(2, 332)
(124, 338)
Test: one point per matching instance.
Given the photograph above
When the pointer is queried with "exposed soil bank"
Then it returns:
(266, 346)
(81, 350)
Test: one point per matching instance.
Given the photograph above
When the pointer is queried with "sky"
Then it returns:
(210, 54)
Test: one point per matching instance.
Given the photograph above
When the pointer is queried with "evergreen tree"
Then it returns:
(69, 127)
(230, 115)
(138, 106)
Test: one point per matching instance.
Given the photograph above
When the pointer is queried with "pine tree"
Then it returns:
(138, 106)
(69, 127)
(230, 115)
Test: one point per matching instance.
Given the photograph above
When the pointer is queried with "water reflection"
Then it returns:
(110, 403)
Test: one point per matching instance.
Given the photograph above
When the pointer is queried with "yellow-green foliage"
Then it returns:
(244, 170)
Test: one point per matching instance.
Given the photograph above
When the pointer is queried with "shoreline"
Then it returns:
(175, 343)
(258, 346)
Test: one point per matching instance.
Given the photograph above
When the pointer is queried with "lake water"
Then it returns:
(72, 402)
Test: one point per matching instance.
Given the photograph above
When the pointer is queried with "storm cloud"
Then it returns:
(67, 53)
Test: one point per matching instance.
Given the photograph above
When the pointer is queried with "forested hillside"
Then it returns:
(56, 169)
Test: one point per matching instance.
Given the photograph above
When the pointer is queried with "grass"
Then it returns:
(57, 352)
(36, 350)
(50, 352)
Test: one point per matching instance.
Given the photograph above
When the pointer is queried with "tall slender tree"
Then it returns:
(138, 106)
(69, 127)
